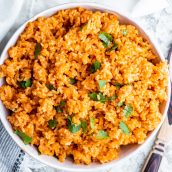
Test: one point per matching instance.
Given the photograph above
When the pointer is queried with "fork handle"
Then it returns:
(154, 159)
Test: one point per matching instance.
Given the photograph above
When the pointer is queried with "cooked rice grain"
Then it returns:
(69, 47)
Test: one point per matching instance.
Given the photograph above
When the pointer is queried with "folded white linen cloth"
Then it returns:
(9, 11)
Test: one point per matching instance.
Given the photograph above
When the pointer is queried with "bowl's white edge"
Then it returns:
(24, 147)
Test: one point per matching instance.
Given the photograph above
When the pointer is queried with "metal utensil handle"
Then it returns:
(154, 159)
(169, 56)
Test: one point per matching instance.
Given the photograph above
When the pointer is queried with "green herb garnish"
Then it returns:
(26, 139)
(58, 109)
(102, 135)
(121, 103)
(25, 84)
(92, 122)
(114, 47)
(72, 81)
(124, 32)
(105, 38)
(95, 66)
(101, 83)
(50, 87)
(37, 50)
(62, 103)
(112, 97)
(52, 123)
(93, 96)
(98, 97)
(124, 127)
(73, 128)
(128, 109)
(84, 126)
(118, 85)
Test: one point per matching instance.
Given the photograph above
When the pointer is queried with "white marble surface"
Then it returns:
(159, 26)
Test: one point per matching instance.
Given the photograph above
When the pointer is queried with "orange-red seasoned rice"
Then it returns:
(69, 46)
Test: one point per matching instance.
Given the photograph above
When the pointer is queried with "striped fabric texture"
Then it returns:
(9, 151)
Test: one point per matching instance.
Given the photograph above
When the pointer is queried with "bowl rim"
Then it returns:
(97, 7)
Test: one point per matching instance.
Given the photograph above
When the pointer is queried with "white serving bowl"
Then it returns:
(126, 151)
